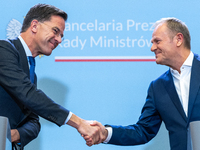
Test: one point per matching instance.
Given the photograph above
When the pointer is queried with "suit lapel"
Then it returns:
(23, 57)
(194, 83)
(25, 68)
(170, 88)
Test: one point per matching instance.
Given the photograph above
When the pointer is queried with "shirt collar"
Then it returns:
(188, 62)
(27, 50)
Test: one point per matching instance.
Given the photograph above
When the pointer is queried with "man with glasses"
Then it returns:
(20, 100)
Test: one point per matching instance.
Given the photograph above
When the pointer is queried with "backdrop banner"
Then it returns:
(103, 68)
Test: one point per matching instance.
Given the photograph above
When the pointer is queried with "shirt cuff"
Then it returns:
(68, 117)
(109, 134)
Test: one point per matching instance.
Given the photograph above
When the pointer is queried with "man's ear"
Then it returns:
(34, 25)
(179, 39)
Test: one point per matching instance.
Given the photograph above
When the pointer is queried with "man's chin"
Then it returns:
(47, 54)
(158, 61)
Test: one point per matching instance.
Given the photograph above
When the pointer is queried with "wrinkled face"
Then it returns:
(49, 35)
(163, 45)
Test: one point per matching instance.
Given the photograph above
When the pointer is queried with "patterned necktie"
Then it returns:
(32, 68)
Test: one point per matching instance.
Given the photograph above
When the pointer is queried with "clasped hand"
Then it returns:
(96, 133)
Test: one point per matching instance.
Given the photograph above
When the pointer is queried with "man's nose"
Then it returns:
(153, 47)
(58, 39)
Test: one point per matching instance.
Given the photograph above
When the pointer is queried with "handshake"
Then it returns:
(93, 132)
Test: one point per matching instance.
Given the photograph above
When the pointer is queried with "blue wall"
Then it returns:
(109, 92)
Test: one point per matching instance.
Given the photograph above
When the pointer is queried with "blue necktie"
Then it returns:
(32, 68)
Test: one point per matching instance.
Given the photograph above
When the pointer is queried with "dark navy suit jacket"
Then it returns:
(20, 100)
(163, 104)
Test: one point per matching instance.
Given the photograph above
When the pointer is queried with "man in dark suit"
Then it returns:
(173, 98)
(20, 100)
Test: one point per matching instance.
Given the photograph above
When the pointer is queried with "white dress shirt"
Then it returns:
(27, 50)
(182, 84)
(182, 81)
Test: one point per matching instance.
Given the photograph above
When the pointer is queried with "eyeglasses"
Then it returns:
(55, 30)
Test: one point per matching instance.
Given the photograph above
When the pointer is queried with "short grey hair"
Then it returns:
(176, 26)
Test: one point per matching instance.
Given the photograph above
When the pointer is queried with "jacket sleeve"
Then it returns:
(29, 130)
(144, 130)
(16, 82)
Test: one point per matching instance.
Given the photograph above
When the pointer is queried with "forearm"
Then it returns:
(80, 124)
(74, 121)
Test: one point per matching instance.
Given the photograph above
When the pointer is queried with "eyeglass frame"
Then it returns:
(55, 30)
